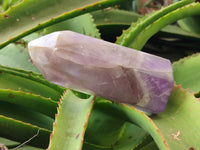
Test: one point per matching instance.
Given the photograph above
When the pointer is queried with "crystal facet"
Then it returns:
(105, 69)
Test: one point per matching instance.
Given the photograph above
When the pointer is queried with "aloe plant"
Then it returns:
(36, 114)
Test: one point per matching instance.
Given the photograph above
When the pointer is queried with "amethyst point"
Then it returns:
(108, 70)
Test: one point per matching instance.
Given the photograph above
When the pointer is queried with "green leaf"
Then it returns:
(88, 146)
(108, 128)
(33, 102)
(147, 141)
(178, 123)
(25, 115)
(113, 132)
(170, 128)
(150, 146)
(190, 24)
(8, 3)
(30, 16)
(71, 122)
(111, 26)
(8, 143)
(130, 36)
(26, 147)
(19, 131)
(187, 72)
(174, 31)
(131, 137)
(108, 16)
(17, 80)
(82, 24)
(13, 145)
(147, 33)
(16, 56)
(134, 116)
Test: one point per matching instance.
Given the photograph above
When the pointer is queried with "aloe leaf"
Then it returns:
(107, 16)
(175, 31)
(150, 146)
(128, 36)
(26, 115)
(169, 129)
(31, 37)
(108, 129)
(146, 141)
(33, 102)
(8, 3)
(190, 24)
(113, 132)
(111, 26)
(134, 116)
(176, 121)
(9, 128)
(8, 143)
(81, 24)
(13, 145)
(27, 147)
(131, 137)
(142, 38)
(187, 72)
(71, 122)
(16, 56)
(17, 80)
(32, 15)
(88, 146)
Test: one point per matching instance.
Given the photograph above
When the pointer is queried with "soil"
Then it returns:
(148, 6)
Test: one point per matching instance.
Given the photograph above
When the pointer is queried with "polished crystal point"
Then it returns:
(105, 69)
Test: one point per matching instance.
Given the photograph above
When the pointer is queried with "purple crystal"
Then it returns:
(105, 69)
